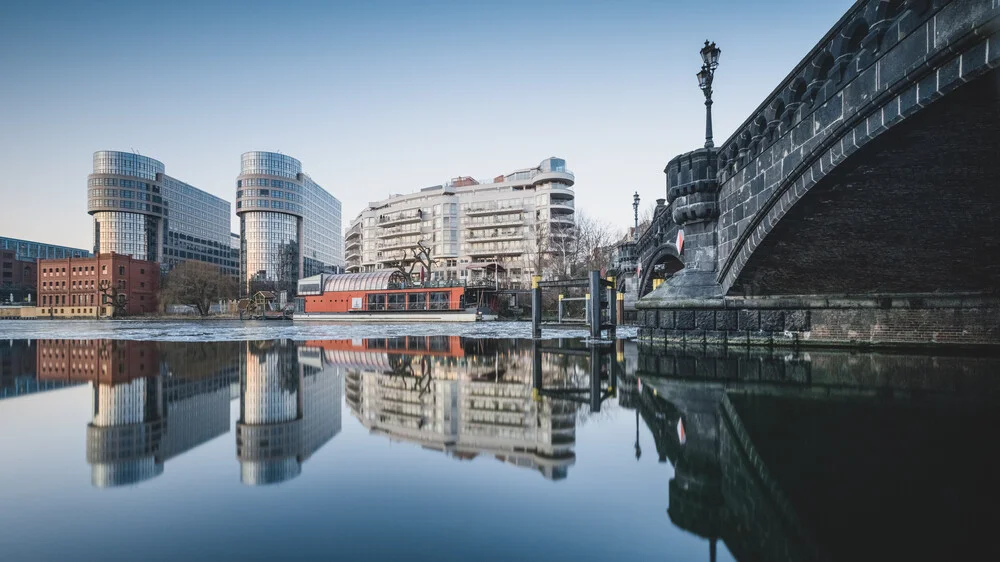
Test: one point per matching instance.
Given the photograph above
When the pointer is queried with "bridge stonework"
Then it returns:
(860, 202)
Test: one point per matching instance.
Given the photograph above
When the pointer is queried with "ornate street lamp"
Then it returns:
(635, 211)
(710, 57)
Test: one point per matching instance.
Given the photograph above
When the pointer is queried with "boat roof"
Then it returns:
(368, 281)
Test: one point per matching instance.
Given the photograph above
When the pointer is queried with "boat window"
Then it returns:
(417, 301)
(396, 301)
(376, 301)
(439, 300)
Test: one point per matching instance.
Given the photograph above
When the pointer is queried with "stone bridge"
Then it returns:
(857, 204)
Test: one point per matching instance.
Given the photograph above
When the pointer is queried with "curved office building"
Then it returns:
(141, 212)
(289, 225)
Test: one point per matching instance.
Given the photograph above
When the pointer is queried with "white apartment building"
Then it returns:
(499, 231)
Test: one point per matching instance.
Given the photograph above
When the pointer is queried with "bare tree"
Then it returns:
(198, 284)
(594, 244)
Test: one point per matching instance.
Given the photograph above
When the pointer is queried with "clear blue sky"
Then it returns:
(376, 97)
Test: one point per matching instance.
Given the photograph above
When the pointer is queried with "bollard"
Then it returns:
(560, 308)
(536, 307)
(595, 304)
(612, 309)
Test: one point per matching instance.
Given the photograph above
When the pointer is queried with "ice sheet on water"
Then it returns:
(235, 330)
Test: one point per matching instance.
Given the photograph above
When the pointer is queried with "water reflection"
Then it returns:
(289, 407)
(825, 455)
(767, 455)
(151, 402)
(466, 397)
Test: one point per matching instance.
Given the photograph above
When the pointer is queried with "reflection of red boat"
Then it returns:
(382, 296)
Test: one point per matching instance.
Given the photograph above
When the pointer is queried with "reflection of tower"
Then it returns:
(288, 409)
(123, 438)
(151, 401)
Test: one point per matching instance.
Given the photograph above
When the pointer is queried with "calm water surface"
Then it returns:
(448, 447)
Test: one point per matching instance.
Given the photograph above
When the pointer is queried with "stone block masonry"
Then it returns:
(902, 320)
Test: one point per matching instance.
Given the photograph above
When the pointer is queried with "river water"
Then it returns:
(190, 441)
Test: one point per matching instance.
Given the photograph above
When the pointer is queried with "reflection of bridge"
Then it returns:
(856, 204)
(824, 455)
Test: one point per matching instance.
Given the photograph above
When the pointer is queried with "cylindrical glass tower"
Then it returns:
(123, 195)
(269, 194)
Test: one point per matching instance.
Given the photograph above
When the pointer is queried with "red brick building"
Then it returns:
(84, 287)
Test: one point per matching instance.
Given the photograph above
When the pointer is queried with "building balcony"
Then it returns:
(395, 245)
(565, 177)
(562, 206)
(394, 232)
(476, 236)
(355, 243)
(491, 209)
(495, 221)
(400, 218)
(487, 252)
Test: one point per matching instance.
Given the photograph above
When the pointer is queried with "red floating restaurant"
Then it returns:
(382, 296)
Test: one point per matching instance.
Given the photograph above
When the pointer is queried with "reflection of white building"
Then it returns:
(467, 406)
(289, 407)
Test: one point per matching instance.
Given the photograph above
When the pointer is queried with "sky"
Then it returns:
(376, 97)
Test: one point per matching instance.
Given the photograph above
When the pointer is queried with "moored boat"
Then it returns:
(383, 296)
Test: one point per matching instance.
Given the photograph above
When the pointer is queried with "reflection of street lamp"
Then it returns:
(710, 56)
(635, 212)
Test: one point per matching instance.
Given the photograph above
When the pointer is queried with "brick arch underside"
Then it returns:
(915, 210)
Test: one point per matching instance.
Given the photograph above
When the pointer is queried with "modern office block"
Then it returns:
(289, 225)
(140, 211)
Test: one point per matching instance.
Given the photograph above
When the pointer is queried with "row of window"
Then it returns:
(268, 193)
(266, 204)
(112, 203)
(116, 182)
(85, 269)
(126, 194)
(264, 182)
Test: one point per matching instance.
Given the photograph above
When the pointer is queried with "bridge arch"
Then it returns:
(914, 210)
(874, 75)
(668, 257)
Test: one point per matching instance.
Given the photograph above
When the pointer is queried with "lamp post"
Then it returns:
(635, 212)
(710, 58)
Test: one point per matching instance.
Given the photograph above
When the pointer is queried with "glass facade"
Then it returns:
(132, 234)
(270, 248)
(27, 250)
(284, 214)
(142, 212)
